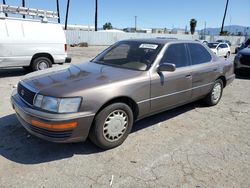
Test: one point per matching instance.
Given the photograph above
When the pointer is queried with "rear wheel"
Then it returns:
(112, 126)
(41, 63)
(215, 94)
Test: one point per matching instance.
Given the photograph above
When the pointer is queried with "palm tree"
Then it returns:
(225, 13)
(193, 23)
(58, 10)
(96, 11)
(67, 13)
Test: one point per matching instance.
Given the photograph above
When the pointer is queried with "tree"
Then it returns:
(193, 23)
(225, 33)
(225, 13)
(107, 25)
(239, 33)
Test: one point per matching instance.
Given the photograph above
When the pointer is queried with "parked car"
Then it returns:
(242, 60)
(202, 41)
(130, 80)
(28, 43)
(224, 41)
(220, 49)
(242, 46)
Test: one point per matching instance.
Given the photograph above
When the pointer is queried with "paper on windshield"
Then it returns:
(149, 46)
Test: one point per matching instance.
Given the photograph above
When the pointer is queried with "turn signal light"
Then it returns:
(60, 126)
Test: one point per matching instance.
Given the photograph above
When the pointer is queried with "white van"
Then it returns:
(32, 44)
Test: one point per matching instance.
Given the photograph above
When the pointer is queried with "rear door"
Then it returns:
(171, 88)
(204, 70)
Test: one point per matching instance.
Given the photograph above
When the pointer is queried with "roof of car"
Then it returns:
(160, 40)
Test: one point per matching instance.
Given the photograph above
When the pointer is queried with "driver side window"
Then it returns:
(175, 54)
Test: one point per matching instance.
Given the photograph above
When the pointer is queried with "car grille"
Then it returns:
(245, 60)
(26, 94)
(51, 134)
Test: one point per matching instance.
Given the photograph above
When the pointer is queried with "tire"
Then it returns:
(227, 55)
(108, 130)
(41, 63)
(215, 94)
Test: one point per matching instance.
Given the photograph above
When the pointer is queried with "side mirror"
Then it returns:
(166, 67)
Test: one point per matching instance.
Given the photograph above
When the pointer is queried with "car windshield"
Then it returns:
(212, 45)
(129, 55)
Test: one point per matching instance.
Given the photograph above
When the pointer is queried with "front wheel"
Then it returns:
(112, 126)
(215, 94)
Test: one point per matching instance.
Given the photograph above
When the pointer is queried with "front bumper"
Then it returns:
(239, 65)
(26, 115)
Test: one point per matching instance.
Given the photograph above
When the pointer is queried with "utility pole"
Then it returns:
(58, 10)
(5, 4)
(205, 28)
(135, 23)
(67, 13)
(96, 14)
(23, 5)
(225, 13)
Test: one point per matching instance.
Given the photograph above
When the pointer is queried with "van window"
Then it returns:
(176, 54)
(199, 54)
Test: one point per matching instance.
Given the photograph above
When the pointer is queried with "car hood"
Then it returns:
(245, 51)
(70, 80)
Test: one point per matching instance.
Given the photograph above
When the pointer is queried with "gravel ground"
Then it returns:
(191, 146)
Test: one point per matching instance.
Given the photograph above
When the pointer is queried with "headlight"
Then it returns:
(68, 105)
(239, 55)
(59, 105)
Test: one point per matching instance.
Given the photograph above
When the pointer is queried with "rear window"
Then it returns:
(199, 54)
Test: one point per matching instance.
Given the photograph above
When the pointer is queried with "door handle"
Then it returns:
(189, 76)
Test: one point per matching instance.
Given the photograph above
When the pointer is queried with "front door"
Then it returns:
(168, 89)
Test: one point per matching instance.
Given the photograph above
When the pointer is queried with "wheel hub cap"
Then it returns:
(216, 93)
(115, 125)
(42, 65)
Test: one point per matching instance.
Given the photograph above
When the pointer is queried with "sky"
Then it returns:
(150, 13)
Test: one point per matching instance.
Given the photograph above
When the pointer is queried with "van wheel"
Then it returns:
(112, 126)
(41, 63)
(215, 94)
